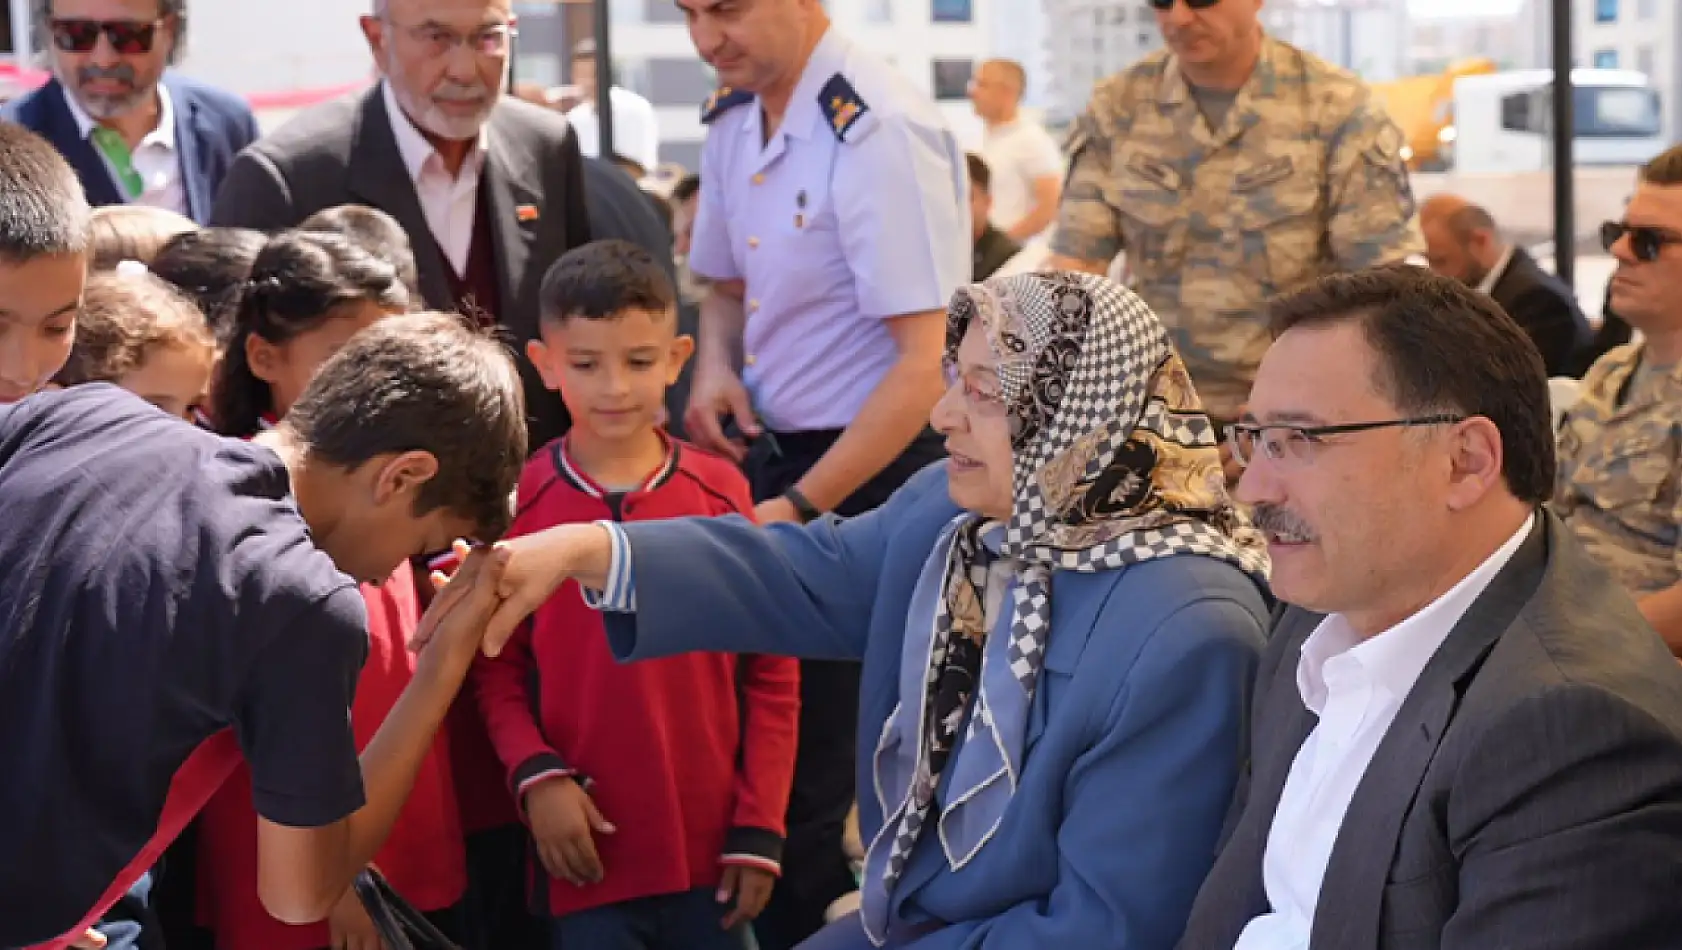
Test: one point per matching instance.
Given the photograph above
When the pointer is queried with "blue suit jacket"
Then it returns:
(211, 126)
(1133, 743)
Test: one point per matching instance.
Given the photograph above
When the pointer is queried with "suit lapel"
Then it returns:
(189, 153)
(513, 203)
(378, 177)
(1351, 900)
(63, 132)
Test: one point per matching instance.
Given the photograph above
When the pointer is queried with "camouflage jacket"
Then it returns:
(1619, 485)
(1303, 178)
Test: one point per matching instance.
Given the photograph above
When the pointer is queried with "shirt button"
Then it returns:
(759, 179)
(753, 305)
(750, 359)
(753, 242)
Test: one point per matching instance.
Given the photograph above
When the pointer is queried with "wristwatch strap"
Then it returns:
(803, 506)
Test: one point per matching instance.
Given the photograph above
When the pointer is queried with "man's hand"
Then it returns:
(92, 940)
(750, 886)
(773, 510)
(350, 927)
(564, 822)
(455, 621)
(716, 392)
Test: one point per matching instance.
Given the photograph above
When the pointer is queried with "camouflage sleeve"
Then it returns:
(1371, 217)
(1088, 228)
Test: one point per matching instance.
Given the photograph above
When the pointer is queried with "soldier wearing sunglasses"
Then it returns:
(1620, 445)
(134, 131)
(1231, 167)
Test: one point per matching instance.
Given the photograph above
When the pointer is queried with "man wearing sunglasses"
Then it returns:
(1620, 444)
(1231, 167)
(134, 131)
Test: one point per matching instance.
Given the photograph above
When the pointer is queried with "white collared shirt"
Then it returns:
(1487, 285)
(155, 159)
(448, 203)
(1355, 687)
(636, 128)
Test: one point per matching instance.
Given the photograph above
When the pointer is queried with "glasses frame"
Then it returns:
(1315, 434)
(1645, 242)
(1163, 6)
(140, 37)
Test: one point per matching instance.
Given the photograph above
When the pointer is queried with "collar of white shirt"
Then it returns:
(1394, 659)
(163, 136)
(417, 152)
(1487, 285)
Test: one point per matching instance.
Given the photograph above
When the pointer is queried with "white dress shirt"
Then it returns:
(1487, 285)
(1018, 153)
(1355, 688)
(155, 159)
(636, 128)
(448, 203)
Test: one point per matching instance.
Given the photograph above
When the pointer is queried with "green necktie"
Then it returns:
(110, 144)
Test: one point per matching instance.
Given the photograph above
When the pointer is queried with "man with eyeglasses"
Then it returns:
(1231, 167)
(134, 131)
(1463, 735)
(489, 188)
(1620, 444)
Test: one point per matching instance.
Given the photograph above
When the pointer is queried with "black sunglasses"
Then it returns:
(127, 37)
(1166, 5)
(1644, 242)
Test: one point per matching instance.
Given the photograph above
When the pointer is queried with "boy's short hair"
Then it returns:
(123, 317)
(210, 265)
(118, 233)
(424, 382)
(43, 211)
(374, 231)
(603, 279)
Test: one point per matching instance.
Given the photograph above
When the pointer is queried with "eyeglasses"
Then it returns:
(1644, 242)
(440, 41)
(1298, 444)
(128, 37)
(981, 399)
(1166, 5)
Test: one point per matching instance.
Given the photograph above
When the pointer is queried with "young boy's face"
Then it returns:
(612, 373)
(38, 303)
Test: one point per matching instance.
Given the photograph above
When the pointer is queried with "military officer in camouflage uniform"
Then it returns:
(1620, 445)
(1231, 167)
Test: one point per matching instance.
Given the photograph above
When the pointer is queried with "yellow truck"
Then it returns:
(1423, 106)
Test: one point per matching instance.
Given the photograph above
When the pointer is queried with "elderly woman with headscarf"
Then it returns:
(1058, 626)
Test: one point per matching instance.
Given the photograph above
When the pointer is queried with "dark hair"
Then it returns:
(603, 279)
(298, 280)
(663, 208)
(424, 382)
(1665, 168)
(123, 317)
(211, 266)
(118, 233)
(1443, 347)
(43, 10)
(374, 231)
(43, 211)
(687, 187)
(979, 174)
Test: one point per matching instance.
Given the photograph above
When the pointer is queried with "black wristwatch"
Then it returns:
(803, 506)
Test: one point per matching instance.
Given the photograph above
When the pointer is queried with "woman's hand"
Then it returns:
(537, 564)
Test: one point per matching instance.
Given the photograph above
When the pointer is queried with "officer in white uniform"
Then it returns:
(833, 224)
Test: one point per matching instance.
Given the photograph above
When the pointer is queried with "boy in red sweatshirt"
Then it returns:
(654, 791)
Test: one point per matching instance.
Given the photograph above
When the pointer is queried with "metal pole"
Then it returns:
(604, 77)
(1565, 134)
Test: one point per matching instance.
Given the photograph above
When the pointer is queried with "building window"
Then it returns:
(951, 78)
(667, 80)
(1605, 59)
(1605, 11)
(952, 11)
(1515, 113)
(879, 11)
(1644, 59)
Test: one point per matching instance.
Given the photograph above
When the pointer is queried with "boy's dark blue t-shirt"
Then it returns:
(157, 586)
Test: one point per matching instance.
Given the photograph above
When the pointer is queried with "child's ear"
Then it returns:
(683, 347)
(538, 353)
(403, 474)
(263, 357)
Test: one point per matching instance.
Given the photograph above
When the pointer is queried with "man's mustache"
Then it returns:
(121, 72)
(1279, 522)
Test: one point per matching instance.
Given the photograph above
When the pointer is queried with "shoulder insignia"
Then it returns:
(721, 101)
(841, 105)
